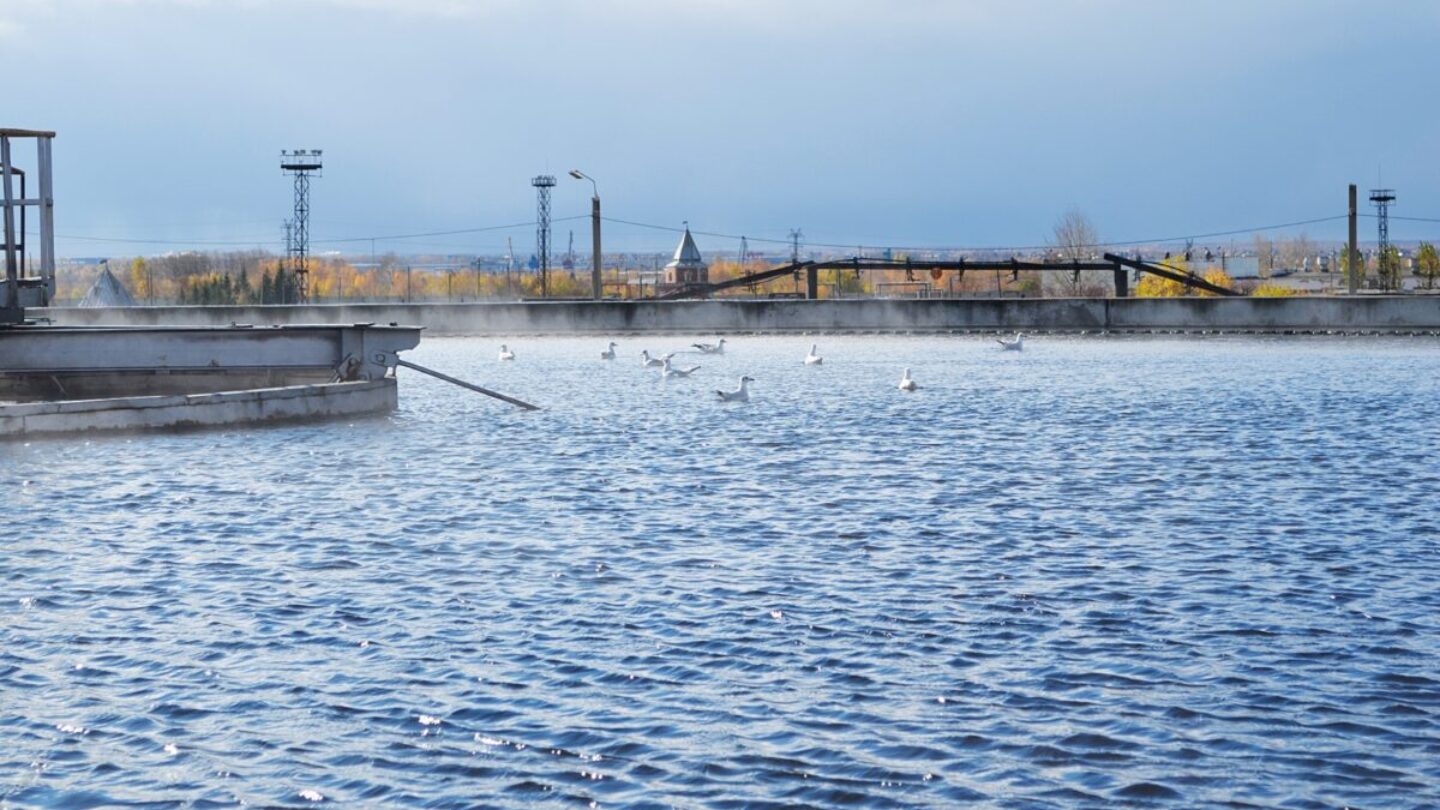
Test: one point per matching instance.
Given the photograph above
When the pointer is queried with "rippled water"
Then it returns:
(1182, 572)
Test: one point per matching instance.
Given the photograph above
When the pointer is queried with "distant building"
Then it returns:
(687, 267)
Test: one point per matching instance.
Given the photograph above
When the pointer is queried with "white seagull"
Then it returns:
(906, 383)
(653, 362)
(667, 370)
(741, 394)
(711, 348)
(813, 359)
(505, 353)
(1013, 345)
(608, 354)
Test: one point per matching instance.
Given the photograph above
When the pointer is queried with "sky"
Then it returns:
(903, 123)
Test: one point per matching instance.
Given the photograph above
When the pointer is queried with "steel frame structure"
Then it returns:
(21, 291)
(301, 163)
(543, 183)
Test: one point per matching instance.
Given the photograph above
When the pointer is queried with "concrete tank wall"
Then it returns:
(1364, 313)
(198, 410)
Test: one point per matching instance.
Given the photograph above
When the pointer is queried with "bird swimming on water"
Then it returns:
(1014, 345)
(907, 383)
(741, 394)
(608, 354)
(813, 359)
(653, 362)
(667, 370)
(505, 353)
(711, 348)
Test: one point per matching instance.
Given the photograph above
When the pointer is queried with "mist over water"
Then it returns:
(1099, 571)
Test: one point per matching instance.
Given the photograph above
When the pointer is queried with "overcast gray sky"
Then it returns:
(906, 123)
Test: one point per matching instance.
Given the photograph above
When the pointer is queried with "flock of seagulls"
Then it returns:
(742, 393)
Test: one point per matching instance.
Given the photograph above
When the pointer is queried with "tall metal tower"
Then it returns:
(1389, 276)
(301, 163)
(795, 235)
(543, 183)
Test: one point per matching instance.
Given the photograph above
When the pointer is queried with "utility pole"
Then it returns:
(795, 235)
(509, 263)
(1352, 254)
(279, 294)
(597, 288)
(597, 284)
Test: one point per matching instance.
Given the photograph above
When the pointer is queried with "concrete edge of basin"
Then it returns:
(244, 407)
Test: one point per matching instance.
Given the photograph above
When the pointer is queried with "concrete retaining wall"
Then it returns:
(1364, 313)
(196, 410)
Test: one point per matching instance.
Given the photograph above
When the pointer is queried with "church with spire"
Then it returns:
(687, 267)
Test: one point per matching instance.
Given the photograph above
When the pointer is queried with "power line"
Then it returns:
(273, 241)
(511, 226)
(250, 243)
(1000, 248)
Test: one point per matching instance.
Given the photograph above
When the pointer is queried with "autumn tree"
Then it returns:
(1264, 255)
(1294, 252)
(1427, 264)
(1387, 267)
(1358, 270)
(140, 280)
(1153, 286)
(1219, 278)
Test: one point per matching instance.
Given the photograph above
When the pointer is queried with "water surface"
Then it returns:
(1173, 572)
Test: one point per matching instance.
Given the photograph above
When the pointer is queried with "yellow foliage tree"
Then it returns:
(1218, 277)
(140, 280)
(1152, 286)
(1272, 290)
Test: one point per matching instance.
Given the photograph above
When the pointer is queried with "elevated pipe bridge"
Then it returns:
(1119, 266)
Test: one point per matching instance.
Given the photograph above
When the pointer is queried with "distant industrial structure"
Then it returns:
(543, 183)
(301, 163)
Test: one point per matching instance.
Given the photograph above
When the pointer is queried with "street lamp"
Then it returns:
(595, 287)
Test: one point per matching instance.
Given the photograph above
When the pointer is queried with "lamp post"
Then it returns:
(595, 286)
